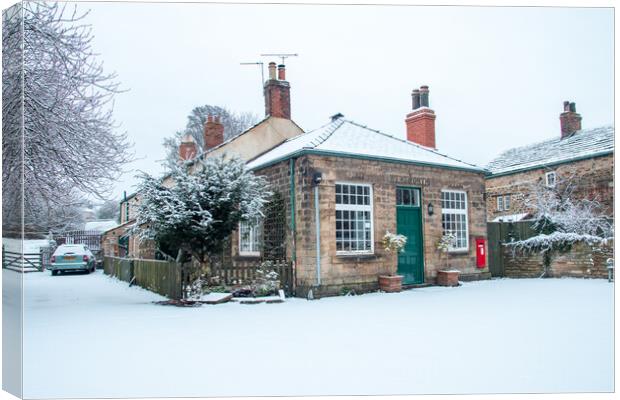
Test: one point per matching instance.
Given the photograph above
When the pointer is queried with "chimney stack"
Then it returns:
(187, 148)
(213, 132)
(421, 121)
(277, 93)
(570, 120)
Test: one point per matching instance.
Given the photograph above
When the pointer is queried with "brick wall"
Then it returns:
(582, 261)
(593, 178)
(361, 272)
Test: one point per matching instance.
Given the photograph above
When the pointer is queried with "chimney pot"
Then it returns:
(281, 72)
(415, 99)
(421, 121)
(187, 148)
(570, 120)
(209, 118)
(424, 96)
(277, 93)
(272, 70)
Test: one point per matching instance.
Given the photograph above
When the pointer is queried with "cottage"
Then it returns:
(585, 157)
(345, 185)
(340, 188)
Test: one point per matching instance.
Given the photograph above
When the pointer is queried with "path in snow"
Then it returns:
(93, 336)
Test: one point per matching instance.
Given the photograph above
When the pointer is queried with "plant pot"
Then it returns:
(391, 283)
(448, 278)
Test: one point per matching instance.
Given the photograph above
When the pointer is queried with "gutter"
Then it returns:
(302, 152)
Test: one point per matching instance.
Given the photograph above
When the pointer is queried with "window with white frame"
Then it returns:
(550, 179)
(503, 202)
(454, 218)
(354, 226)
(249, 239)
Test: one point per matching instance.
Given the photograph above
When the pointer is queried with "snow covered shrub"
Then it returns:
(393, 242)
(266, 281)
(192, 219)
(444, 244)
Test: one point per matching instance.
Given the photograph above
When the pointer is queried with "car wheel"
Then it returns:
(54, 272)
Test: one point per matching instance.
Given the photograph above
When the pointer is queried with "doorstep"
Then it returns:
(416, 286)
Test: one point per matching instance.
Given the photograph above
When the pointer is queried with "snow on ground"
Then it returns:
(93, 336)
(31, 246)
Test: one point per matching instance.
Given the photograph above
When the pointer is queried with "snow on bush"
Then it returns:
(393, 242)
(555, 240)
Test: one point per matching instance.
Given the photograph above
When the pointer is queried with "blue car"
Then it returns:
(72, 257)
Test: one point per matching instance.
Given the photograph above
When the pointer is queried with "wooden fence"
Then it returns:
(499, 233)
(22, 262)
(241, 273)
(166, 278)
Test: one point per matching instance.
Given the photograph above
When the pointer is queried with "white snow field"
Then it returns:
(93, 336)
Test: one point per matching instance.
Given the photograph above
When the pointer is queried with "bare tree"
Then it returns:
(59, 139)
(234, 124)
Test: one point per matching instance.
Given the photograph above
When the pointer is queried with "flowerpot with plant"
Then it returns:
(448, 276)
(392, 243)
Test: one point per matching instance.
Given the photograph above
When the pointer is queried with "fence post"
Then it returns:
(41, 266)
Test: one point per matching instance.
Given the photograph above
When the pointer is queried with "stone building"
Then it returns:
(341, 187)
(583, 158)
(345, 185)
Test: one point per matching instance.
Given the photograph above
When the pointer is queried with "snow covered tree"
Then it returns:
(110, 209)
(59, 138)
(558, 210)
(191, 220)
(234, 124)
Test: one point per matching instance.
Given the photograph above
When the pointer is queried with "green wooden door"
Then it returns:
(409, 224)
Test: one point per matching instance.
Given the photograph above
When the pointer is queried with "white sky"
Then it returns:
(497, 76)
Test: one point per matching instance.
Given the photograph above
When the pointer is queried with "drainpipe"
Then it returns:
(293, 225)
(317, 215)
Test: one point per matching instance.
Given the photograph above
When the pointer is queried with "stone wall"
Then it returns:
(593, 179)
(360, 272)
(582, 261)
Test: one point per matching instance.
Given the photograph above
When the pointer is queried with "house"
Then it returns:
(341, 187)
(585, 157)
(275, 128)
(345, 185)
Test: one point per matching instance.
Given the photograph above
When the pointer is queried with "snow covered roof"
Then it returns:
(582, 144)
(101, 225)
(342, 137)
(511, 217)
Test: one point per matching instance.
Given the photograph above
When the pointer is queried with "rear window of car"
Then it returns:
(64, 249)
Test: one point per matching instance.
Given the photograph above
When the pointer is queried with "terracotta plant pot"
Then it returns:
(448, 278)
(391, 283)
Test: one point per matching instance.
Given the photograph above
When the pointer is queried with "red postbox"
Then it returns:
(481, 253)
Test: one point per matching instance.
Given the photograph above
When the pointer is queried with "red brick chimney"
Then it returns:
(570, 121)
(187, 148)
(214, 132)
(277, 93)
(421, 121)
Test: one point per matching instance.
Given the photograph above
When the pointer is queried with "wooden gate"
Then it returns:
(499, 233)
(92, 239)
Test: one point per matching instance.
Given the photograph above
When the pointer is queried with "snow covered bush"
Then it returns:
(192, 219)
(393, 242)
(444, 244)
(561, 220)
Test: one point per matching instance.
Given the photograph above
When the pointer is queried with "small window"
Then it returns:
(249, 239)
(500, 203)
(408, 197)
(507, 202)
(454, 218)
(354, 227)
(550, 179)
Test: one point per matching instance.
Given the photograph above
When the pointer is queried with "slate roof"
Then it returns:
(342, 137)
(582, 144)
